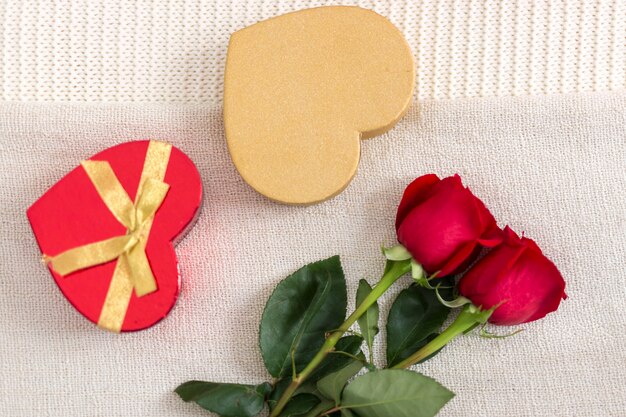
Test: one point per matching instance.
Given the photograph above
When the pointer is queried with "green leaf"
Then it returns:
(277, 392)
(279, 388)
(321, 408)
(302, 308)
(415, 316)
(424, 343)
(331, 386)
(335, 360)
(368, 322)
(227, 400)
(300, 404)
(395, 392)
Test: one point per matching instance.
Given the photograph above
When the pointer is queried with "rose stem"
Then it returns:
(465, 320)
(396, 270)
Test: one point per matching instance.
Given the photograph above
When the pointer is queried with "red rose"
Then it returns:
(517, 275)
(441, 223)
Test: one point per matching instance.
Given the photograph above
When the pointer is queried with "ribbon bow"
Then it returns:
(132, 270)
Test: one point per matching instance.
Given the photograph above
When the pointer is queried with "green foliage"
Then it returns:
(302, 308)
(321, 408)
(279, 387)
(368, 322)
(331, 386)
(338, 359)
(332, 363)
(395, 393)
(227, 400)
(302, 400)
(300, 404)
(414, 319)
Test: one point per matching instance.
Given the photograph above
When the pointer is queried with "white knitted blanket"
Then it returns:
(552, 167)
(174, 50)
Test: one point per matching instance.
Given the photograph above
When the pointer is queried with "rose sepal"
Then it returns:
(459, 301)
(396, 253)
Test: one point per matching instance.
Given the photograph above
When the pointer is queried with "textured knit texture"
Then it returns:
(552, 168)
(174, 50)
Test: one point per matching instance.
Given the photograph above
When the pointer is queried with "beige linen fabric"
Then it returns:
(174, 50)
(554, 168)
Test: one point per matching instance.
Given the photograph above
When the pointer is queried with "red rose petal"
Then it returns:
(414, 195)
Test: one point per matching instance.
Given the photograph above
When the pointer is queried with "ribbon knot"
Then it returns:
(133, 269)
(126, 248)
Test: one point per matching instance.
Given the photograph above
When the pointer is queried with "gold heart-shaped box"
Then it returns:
(300, 92)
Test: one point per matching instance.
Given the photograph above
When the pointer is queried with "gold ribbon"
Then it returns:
(132, 270)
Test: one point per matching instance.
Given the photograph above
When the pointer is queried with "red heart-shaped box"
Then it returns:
(72, 214)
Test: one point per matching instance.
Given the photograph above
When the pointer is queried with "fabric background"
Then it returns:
(174, 50)
(550, 167)
(554, 167)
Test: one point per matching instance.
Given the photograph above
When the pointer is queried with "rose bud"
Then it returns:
(442, 224)
(516, 277)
